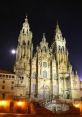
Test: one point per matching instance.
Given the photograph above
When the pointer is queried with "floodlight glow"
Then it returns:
(3, 103)
(20, 103)
(76, 105)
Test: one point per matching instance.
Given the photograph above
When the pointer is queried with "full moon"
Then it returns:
(13, 51)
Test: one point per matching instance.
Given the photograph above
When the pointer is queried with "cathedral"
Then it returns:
(46, 73)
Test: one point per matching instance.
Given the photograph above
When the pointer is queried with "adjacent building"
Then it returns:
(7, 84)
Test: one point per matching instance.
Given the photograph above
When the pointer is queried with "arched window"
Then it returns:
(63, 48)
(28, 42)
(44, 49)
(21, 77)
(24, 43)
(45, 74)
(44, 64)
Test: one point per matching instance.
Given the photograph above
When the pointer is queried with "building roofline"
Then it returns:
(6, 72)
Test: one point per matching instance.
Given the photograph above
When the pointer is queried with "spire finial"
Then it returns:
(25, 27)
(26, 18)
(44, 38)
(43, 35)
(57, 25)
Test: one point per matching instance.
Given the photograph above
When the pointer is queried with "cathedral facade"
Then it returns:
(47, 73)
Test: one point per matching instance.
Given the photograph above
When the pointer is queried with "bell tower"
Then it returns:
(60, 45)
(22, 66)
(59, 49)
(61, 55)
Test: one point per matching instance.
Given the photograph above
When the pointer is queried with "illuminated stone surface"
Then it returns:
(47, 73)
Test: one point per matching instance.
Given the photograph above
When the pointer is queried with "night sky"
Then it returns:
(42, 16)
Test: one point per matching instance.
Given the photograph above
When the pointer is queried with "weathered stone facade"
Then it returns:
(47, 73)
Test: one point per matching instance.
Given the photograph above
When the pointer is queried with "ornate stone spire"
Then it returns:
(44, 38)
(58, 28)
(43, 43)
(26, 19)
(58, 33)
(25, 28)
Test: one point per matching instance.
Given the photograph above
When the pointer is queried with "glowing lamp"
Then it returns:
(20, 103)
(3, 103)
(76, 105)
